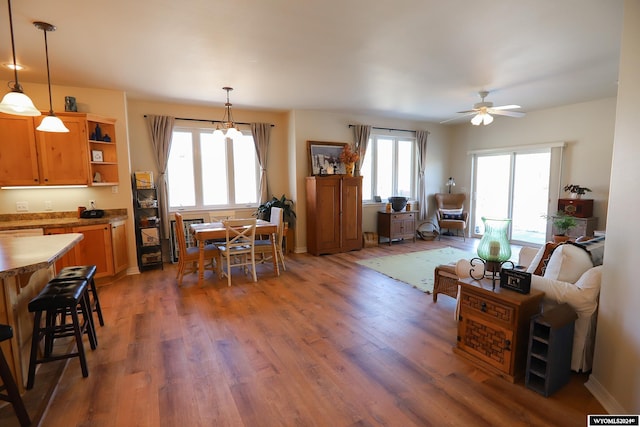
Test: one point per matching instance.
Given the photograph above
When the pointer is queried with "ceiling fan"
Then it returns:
(483, 110)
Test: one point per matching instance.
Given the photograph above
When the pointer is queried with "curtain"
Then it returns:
(261, 135)
(161, 130)
(421, 140)
(361, 137)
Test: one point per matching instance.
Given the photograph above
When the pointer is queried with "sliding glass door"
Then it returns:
(513, 185)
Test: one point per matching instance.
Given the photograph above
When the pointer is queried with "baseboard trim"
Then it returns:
(603, 396)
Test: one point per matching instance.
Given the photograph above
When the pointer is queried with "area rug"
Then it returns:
(416, 268)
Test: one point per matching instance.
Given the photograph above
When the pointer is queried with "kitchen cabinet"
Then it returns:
(102, 150)
(30, 157)
(119, 246)
(334, 214)
(96, 248)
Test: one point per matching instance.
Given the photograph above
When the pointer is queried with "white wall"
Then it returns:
(615, 379)
(587, 128)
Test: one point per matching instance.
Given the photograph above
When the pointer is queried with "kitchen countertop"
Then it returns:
(57, 219)
(26, 254)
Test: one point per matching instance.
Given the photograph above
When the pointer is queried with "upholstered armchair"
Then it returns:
(450, 212)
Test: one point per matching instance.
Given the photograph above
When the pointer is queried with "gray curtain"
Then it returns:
(261, 135)
(161, 130)
(421, 140)
(361, 138)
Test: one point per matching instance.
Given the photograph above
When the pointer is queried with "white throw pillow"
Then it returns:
(536, 260)
(567, 263)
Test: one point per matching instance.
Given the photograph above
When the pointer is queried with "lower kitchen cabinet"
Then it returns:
(104, 245)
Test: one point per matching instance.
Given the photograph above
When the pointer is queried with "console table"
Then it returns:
(397, 225)
(493, 327)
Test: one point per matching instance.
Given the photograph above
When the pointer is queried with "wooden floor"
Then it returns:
(328, 343)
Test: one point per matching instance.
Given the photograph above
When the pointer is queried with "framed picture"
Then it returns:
(324, 158)
(96, 156)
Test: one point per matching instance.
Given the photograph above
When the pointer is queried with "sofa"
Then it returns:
(567, 273)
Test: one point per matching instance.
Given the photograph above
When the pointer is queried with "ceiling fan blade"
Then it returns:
(475, 110)
(506, 107)
(467, 114)
(507, 113)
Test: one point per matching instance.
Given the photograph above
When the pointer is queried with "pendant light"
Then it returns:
(16, 102)
(51, 123)
(231, 129)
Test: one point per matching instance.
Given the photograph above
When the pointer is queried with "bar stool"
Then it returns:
(12, 394)
(55, 298)
(83, 272)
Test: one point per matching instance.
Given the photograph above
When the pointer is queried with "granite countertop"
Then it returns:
(57, 219)
(26, 254)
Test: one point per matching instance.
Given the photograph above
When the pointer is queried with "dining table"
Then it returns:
(206, 231)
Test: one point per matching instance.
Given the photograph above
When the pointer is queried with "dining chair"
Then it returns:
(238, 249)
(188, 258)
(264, 248)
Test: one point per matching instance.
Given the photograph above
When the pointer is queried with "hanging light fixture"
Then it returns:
(16, 102)
(231, 129)
(51, 123)
(482, 117)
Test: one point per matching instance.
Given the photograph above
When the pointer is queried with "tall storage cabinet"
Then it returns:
(147, 225)
(334, 214)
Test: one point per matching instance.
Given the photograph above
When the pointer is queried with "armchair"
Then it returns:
(450, 213)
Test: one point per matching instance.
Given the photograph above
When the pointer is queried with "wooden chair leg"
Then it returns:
(13, 395)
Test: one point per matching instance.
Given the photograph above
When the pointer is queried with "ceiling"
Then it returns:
(411, 59)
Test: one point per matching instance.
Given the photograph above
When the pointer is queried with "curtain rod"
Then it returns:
(390, 129)
(211, 121)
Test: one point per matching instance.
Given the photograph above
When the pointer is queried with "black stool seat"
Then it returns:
(60, 297)
(64, 294)
(12, 394)
(83, 272)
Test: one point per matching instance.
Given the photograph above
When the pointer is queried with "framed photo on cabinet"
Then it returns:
(96, 156)
(324, 158)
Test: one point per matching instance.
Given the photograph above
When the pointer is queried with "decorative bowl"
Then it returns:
(398, 203)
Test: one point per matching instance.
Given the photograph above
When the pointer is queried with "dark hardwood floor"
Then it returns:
(328, 343)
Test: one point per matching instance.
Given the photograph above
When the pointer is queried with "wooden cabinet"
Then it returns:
(119, 246)
(493, 327)
(31, 157)
(96, 248)
(334, 214)
(102, 150)
(397, 225)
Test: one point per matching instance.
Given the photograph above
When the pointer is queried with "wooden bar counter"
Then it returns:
(26, 265)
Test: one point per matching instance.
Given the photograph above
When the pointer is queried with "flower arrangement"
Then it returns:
(573, 188)
(348, 156)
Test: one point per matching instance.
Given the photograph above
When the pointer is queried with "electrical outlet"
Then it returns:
(114, 189)
(22, 206)
(92, 204)
(47, 205)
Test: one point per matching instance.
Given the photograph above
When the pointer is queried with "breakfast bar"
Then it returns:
(26, 265)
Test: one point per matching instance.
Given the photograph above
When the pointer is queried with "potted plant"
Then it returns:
(562, 223)
(288, 214)
(576, 190)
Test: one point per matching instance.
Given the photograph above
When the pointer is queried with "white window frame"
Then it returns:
(395, 136)
(196, 131)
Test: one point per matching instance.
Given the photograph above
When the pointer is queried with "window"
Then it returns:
(389, 167)
(206, 173)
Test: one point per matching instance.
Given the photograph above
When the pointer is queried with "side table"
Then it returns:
(493, 327)
(397, 225)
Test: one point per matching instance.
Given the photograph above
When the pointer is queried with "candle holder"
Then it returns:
(494, 249)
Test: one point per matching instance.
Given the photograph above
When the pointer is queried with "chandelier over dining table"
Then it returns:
(229, 128)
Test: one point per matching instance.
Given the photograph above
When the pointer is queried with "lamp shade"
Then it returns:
(494, 245)
(18, 104)
(52, 123)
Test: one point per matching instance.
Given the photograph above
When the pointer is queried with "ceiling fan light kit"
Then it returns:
(484, 111)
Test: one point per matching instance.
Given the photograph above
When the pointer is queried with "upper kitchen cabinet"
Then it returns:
(79, 157)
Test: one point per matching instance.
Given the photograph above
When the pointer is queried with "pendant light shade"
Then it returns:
(16, 102)
(229, 128)
(51, 123)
